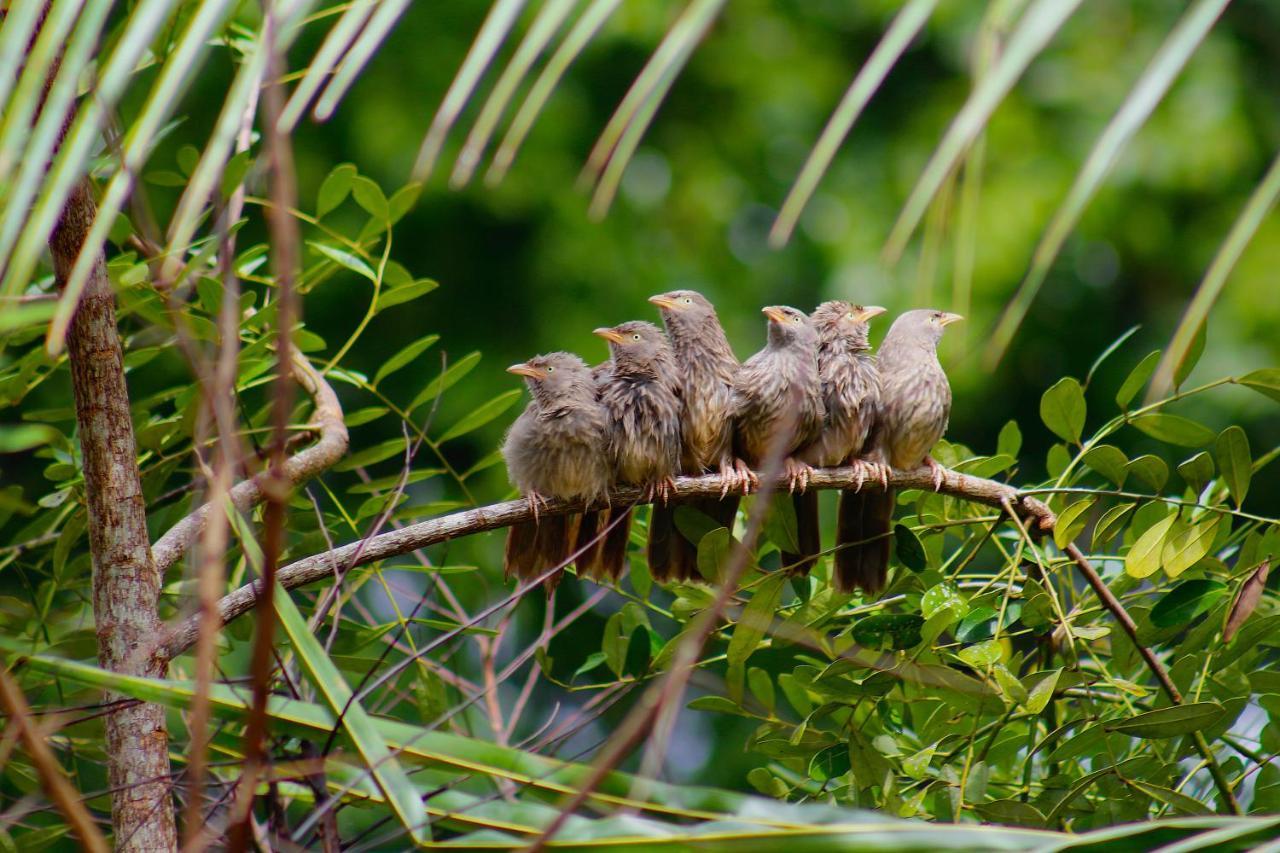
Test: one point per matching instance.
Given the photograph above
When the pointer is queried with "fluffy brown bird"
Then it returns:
(915, 403)
(850, 396)
(637, 390)
(555, 449)
(777, 397)
(706, 367)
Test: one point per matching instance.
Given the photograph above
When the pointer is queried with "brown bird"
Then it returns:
(850, 396)
(706, 367)
(555, 449)
(777, 398)
(637, 390)
(915, 403)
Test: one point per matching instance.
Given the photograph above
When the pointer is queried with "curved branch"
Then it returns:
(298, 468)
(464, 523)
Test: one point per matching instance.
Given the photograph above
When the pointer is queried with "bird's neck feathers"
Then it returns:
(696, 341)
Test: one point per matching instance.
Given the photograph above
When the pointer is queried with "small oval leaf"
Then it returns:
(1175, 721)
(1174, 429)
(1234, 461)
(1062, 408)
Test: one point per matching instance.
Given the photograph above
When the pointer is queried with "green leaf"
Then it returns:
(900, 631)
(1173, 429)
(404, 293)
(1185, 547)
(343, 258)
(20, 437)
(334, 189)
(1151, 470)
(1012, 812)
(1234, 461)
(1143, 559)
(829, 763)
(717, 704)
(780, 526)
(1186, 601)
(404, 357)
(383, 765)
(909, 548)
(1062, 408)
(943, 596)
(1136, 379)
(445, 380)
(713, 551)
(761, 685)
(1197, 471)
(1169, 722)
(1071, 521)
(1264, 381)
(1189, 359)
(755, 619)
(1040, 691)
(1108, 352)
(1168, 796)
(983, 654)
(370, 196)
(1009, 441)
(372, 455)
(1109, 461)
(482, 415)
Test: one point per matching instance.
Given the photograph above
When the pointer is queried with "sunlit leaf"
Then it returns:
(1071, 522)
(1062, 408)
(1143, 559)
(1185, 547)
(1173, 429)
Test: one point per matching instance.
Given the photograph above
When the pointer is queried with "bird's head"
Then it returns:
(636, 344)
(682, 308)
(554, 375)
(788, 326)
(923, 325)
(839, 320)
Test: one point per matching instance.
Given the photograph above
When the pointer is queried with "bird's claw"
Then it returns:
(797, 474)
(660, 489)
(535, 500)
(937, 472)
(745, 477)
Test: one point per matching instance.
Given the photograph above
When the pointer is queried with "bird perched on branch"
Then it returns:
(637, 390)
(850, 397)
(705, 368)
(777, 399)
(555, 449)
(915, 403)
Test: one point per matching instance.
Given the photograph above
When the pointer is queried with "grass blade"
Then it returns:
(584, 29)
(627, 127)
(386, 771)
(1033, 32)
(1146, 94)
(1215, 278)
(502, 16)
(542, 29)
(904, 28)
(334, 48)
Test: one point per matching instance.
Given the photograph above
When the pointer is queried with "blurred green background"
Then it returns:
(523, 270)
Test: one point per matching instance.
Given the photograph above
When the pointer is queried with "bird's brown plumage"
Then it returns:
(637, 390)
(705, 368)
(778, 400)
(915, 404)
(850, 396)
(556, 448)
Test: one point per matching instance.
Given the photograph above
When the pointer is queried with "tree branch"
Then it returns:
(300, 467)
(320, 566)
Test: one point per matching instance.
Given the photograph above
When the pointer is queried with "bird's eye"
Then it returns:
(795, 319)
(550, 369)
(635, 337)
(849, 315)
(688, 301)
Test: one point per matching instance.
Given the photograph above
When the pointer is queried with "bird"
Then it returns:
(638, 392)
(915, 404)
(706, 367)
(556, 448)
(777, 400)
(850, 396)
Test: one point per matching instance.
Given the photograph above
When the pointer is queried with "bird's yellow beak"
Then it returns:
(526, 369)
(775, 313)
(663, 300)
(611, 335)
(868, 312)
(948, 319)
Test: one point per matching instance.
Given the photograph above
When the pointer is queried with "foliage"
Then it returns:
(986, 685)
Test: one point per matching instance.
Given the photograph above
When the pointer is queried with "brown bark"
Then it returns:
(126, 585)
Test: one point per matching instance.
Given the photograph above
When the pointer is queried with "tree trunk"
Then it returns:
(126, 585)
